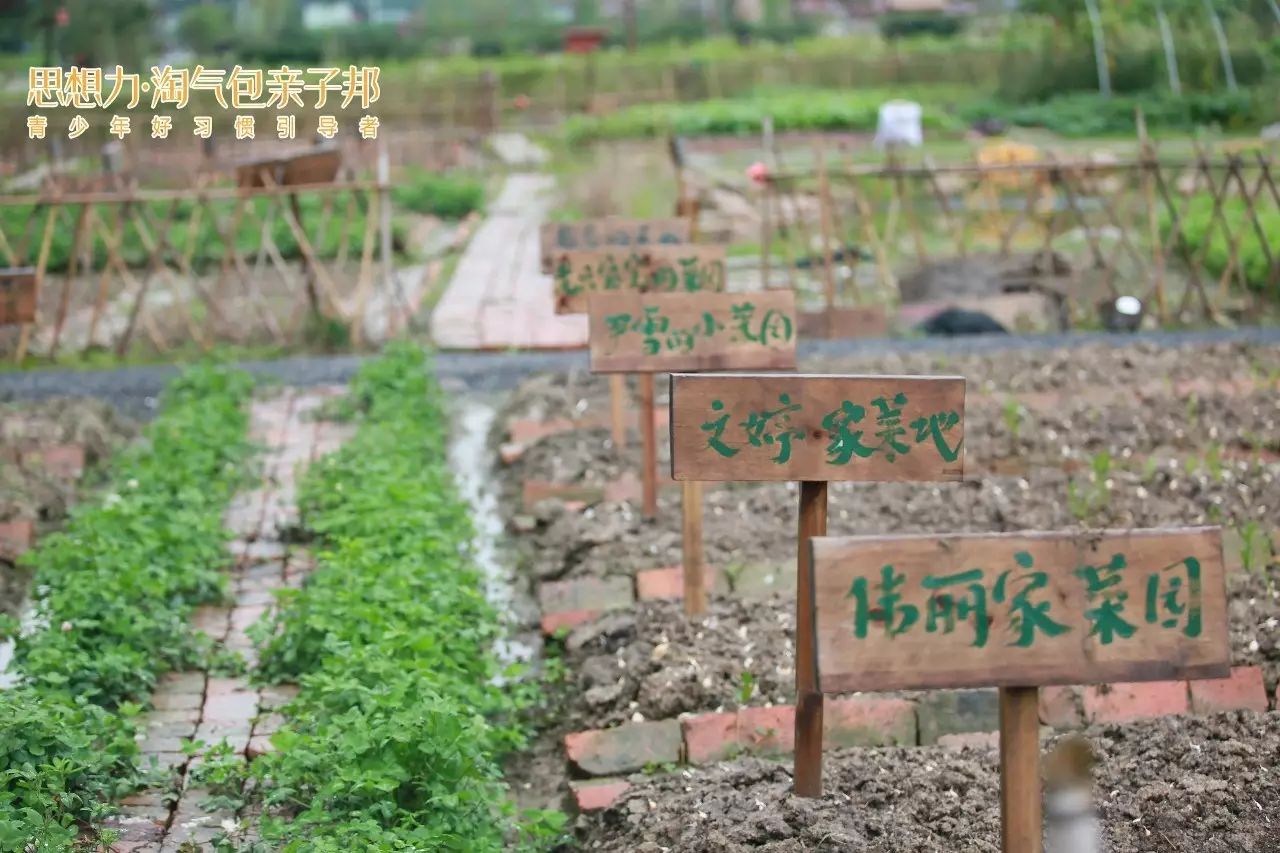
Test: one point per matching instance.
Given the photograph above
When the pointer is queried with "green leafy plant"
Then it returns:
(115, 592)
(1014, 416)
(396, 738)
(1255, 547)
(746, 687)
(447, 196)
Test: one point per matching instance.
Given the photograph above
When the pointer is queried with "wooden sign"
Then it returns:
(679, 268)
(1019, 609)
(556, 237)
(664, 332)
(816, 428)
(17, 296)
(300, 168)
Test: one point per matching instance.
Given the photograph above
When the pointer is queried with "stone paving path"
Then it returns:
(212, 708)
(498, 297)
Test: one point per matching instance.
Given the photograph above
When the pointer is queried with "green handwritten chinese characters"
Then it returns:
(968, 600)
(852, 431)
(659, 335)
(637, 271)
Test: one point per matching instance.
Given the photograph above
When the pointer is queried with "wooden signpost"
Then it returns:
(815, 429)
(1017, 611)
(17, 296)
(554, 237)
(649, 333)
(682, 268)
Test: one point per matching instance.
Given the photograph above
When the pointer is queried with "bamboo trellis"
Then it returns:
(168, 269)
(1195, 238)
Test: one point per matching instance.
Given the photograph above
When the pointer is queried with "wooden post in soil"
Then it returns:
(1017, 611)
(692, 560)
(1021, 822)
(648, 448)
(660, 332)
(808, 766)
(618, 409)
(813, 430)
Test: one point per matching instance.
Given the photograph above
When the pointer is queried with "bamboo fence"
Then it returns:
(1197, 238)
(210, 264)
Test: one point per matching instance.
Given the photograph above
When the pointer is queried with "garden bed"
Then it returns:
(1098, 437)
(1199, 785)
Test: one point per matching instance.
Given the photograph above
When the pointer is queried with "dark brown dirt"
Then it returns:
(1141, 366)
(1174, 785)
(654, 663)
(29, 491)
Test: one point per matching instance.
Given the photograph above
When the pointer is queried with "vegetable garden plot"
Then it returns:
(643, 663)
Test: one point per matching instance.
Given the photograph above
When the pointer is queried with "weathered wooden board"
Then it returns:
(1018, 609)
(662, 332)
(17, 295)
(744, 426)
(677, 268)
(554, 237)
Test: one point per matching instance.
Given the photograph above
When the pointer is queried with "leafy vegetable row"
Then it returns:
(395, 739)
(114, 594)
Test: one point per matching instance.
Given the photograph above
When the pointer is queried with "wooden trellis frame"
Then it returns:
(1129, 219)
(193, 255)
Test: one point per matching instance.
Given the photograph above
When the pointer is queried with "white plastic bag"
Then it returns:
(899, 124)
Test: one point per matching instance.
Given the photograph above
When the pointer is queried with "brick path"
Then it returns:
(207, 707)
(498, 297)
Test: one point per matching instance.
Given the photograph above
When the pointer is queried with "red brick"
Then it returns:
(627, 488)
(535, 491)
(944, 712)
(528, 431)
(165, 701)
(259, 745)
(625, 748)
(1061, 707)
(667, 582)
(229, 701)
(767, 731)
(710, 737)
(16, 536)
(1243, 690)
(64, 461)
(552, 622)
(1122, 703)
(974, 740)
(868, 721)
(594, 795)
(572, 602)
(575, 506)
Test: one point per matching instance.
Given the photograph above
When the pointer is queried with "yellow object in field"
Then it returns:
(1005, 196)
(1006, 153)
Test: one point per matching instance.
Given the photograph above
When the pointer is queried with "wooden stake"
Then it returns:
(618, 408)
(1021, 824)
(649, 441)
(695, 585)
(808, 768)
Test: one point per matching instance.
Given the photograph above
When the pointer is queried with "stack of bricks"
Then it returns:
(601, 758)
(213, 709)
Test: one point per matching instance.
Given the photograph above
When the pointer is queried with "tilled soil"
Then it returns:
(1142, 366)
(653, 662)
(754, 524)
(1193, 784)
(28, 490)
